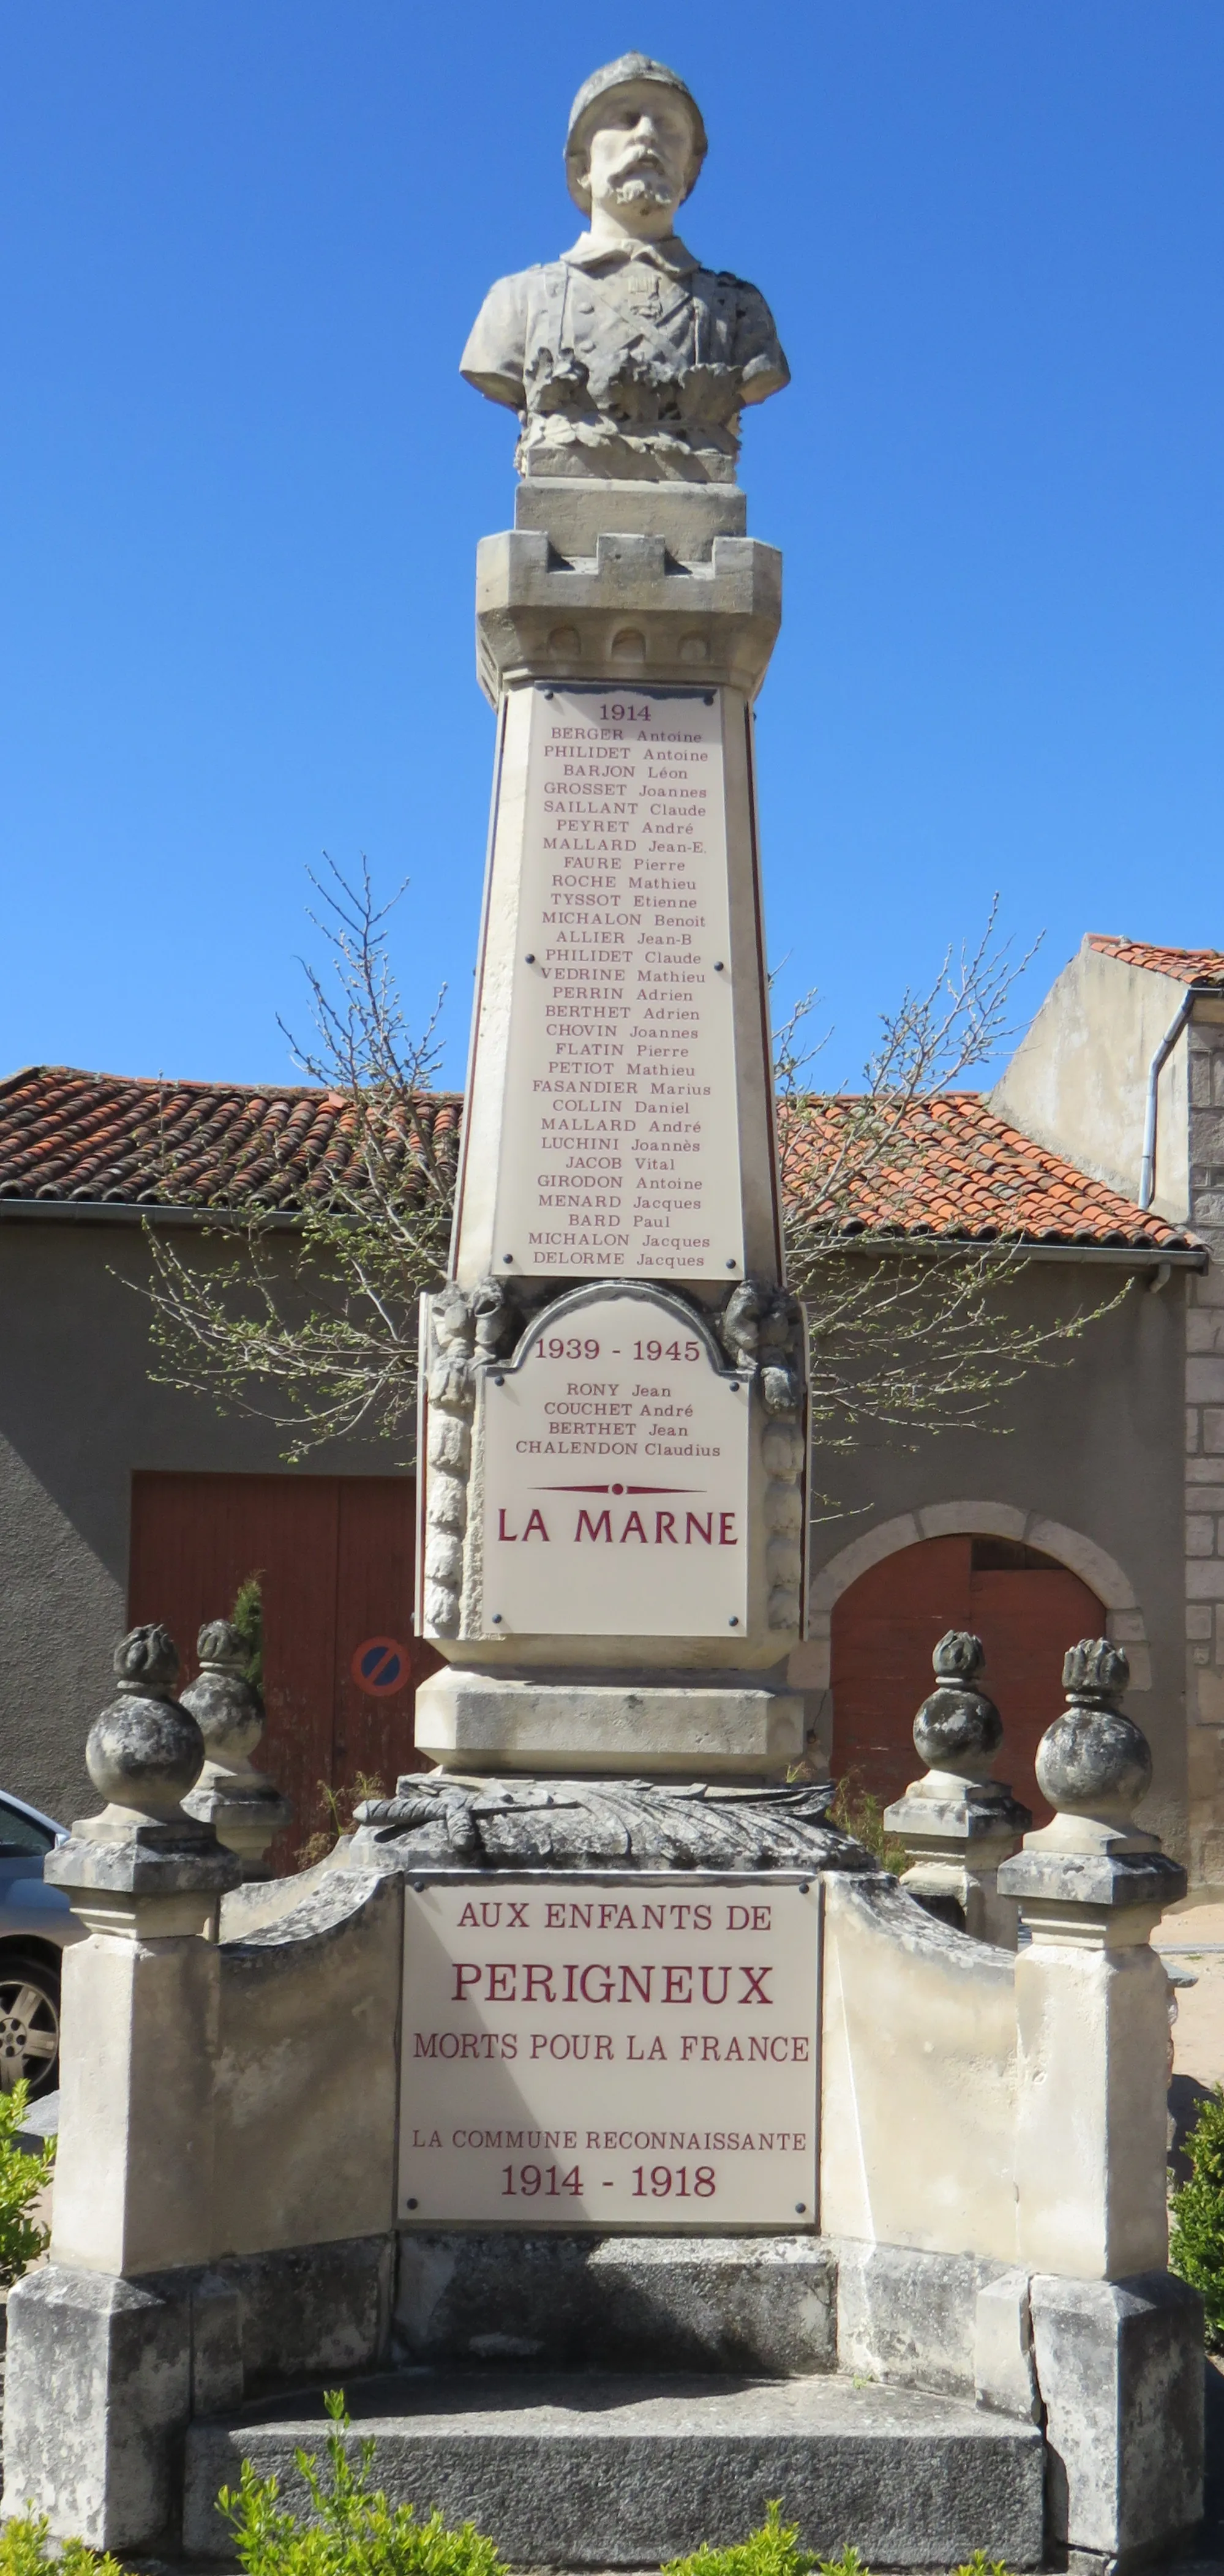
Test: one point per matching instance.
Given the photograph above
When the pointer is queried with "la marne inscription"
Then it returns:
(619, 1133)
(591, 2051)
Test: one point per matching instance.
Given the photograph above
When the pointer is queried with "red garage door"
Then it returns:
(1027, 1610)
(335, 1558)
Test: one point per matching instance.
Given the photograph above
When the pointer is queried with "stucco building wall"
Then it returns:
(1078, 1079)
(1204, 1497)
(79, 1414)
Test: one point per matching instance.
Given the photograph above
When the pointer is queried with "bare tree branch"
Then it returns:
(299, 1303)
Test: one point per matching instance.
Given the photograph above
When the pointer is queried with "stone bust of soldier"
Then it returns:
(626, 358)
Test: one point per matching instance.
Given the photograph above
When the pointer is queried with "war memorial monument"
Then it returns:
(630, 2147)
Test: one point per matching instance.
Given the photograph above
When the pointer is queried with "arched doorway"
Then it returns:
(1026, 1608)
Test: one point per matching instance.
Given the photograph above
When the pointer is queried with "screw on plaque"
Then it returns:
(733, 1623)
(509, 1256)
(719, 966)
(529, 960)
(731, 1265)
(497, 1618)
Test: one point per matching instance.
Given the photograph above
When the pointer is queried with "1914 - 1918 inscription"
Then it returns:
(616, 1476)
(626, 2051)
(619, 1130)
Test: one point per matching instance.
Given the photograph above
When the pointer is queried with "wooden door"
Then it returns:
(1025, 1608)
(335, 1559)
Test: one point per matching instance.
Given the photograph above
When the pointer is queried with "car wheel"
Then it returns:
(29, 2023)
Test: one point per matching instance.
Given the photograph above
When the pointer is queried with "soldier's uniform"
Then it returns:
(630, 359)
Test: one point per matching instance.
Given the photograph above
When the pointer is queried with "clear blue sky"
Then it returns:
(243, 482)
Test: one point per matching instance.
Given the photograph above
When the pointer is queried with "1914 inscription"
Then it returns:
(620, 1134)
(610, 2052)
(615, 1476)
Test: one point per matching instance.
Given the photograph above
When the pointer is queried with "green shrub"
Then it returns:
(22, 2177)
(859, 1812)
(355, 2531)
(25, 2550)
(247, 1617)
(1196, 2236)
(772, 2551)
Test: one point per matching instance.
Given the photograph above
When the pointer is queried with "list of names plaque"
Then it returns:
(619, 1138)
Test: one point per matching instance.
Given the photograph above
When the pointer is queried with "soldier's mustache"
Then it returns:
(641, 157)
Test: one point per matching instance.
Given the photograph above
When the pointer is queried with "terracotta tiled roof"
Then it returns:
(99, 1139)
(958, 1171)
(103, 1138)
(1182, 965)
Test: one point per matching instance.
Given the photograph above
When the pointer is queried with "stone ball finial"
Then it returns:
(145, 1751)
(1095, 1670)
(958, 1657)
(147, 1661)
(958, 1728)
(224, 1701)
(1094, 1760)
(221, 1644)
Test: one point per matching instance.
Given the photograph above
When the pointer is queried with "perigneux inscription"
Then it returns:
(610, 2052)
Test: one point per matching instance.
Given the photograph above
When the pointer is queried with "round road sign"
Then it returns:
(380, 1666)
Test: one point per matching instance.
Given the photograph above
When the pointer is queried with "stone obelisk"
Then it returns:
(613, 1380)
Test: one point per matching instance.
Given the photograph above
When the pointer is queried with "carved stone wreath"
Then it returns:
(439, 1822)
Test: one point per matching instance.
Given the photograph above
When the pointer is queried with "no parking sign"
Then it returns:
(381, 1666)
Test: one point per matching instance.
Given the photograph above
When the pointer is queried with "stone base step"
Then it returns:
(599, 2471)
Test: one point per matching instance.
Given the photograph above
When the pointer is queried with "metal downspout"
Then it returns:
(1147, 1168)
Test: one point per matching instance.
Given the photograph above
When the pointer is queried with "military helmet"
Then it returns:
(619, 75)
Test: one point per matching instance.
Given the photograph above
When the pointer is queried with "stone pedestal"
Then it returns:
(242, 1805)
(100, 2464)
(721, 1726)
(958, 1823)
(615, 1504)
(1121, 2370)
(1117, 2342)
(134, 2165)
(1092, 1997)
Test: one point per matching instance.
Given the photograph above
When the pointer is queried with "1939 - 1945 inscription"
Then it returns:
(616, 1476)
(600, 2052)
(619, 1131)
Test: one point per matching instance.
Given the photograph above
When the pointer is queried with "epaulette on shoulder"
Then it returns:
(727, 277)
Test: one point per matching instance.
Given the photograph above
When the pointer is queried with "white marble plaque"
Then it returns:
(633, 2052)
(619, 1149)
(615, 1477)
